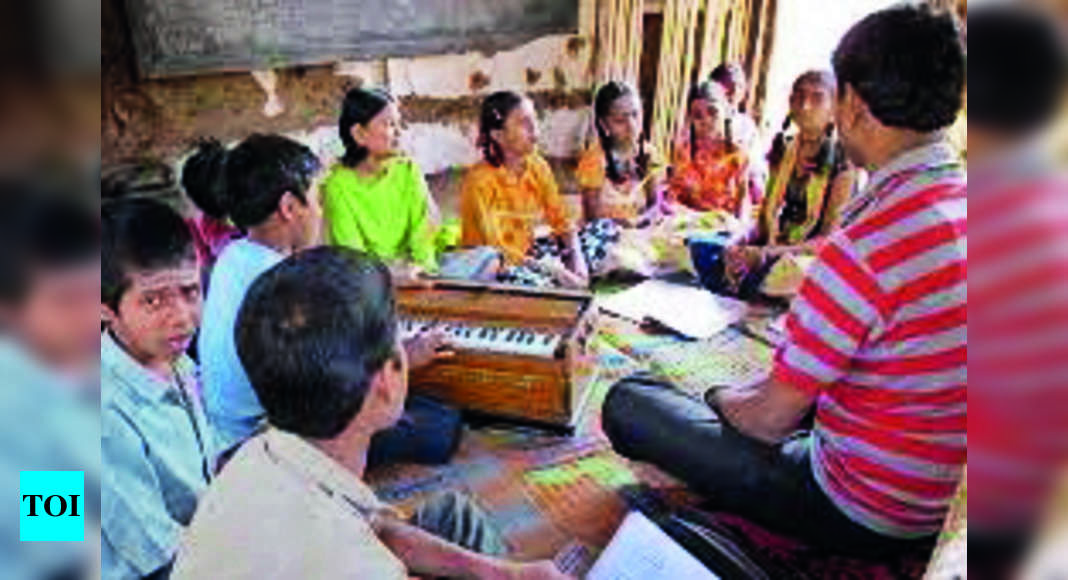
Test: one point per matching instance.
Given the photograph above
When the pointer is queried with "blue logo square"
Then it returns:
(51, 506)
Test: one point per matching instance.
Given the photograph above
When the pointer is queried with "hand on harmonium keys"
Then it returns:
(409, 276)
(426, 347)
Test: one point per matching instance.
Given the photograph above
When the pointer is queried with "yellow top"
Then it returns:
(618, 201)
(501, 209)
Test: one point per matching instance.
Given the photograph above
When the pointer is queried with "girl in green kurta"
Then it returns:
(376, 199)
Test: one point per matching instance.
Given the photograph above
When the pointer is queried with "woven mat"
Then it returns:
(732, 358)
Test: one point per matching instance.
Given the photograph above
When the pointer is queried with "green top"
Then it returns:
(389, 214)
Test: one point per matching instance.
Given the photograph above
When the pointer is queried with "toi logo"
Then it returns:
(52, 506)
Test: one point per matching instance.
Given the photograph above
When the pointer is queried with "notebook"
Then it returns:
(642, 551)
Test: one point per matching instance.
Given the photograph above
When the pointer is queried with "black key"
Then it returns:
(483, 333)
(548, 339)
(530, 339)
(511, 335)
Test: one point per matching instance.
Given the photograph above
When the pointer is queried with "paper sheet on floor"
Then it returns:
(688, 310)
(642, 551)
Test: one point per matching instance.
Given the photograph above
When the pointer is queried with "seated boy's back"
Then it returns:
(278, 491)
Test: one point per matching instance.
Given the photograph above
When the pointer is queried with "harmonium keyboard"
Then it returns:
(522, 354)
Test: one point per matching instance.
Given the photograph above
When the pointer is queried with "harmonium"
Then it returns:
(522, 354)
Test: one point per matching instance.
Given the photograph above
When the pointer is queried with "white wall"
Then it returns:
(806, 34)
(437, 146)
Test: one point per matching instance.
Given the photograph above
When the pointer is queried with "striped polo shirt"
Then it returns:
(1019, 316)
(878, 335)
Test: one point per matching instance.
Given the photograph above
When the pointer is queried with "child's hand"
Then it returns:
(569, 279)
(563, 275)
(504, 570)
(410, 277)
(739, 261)
(544, 570)
(427, 347)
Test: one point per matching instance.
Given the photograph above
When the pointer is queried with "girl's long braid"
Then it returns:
(606, 96)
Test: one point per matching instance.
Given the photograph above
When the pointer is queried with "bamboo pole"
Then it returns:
(762, 60)
(637, 40)
(677, 57)
(711, 42)
(620, 24)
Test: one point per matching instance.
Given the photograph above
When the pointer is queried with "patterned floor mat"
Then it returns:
(541, 490)
(735, 357)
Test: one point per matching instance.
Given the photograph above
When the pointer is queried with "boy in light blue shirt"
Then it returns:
(158, 448)
(270, 193)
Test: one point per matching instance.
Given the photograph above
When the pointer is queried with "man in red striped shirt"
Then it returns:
(1018, 428)
(877, 338)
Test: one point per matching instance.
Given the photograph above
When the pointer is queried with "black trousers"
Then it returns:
(652, 421)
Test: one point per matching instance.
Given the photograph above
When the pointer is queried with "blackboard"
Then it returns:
(173, 37)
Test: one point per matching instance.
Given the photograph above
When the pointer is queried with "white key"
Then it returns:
(522, 341)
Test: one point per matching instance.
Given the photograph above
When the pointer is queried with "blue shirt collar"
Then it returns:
(138, 379)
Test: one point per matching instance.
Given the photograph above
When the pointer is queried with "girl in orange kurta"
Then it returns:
(510, 200)
(710, 172)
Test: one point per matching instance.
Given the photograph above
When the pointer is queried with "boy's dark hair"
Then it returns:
(727, 73)
(907, 63)
(259, 171)
(203, 179)
(606, 96)
(359, 108)
(495, 110)
(42, 230)
(312, 332)
(139, 235)
(1021, 68)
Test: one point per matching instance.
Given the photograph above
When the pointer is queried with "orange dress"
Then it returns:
(713, 178)
(500, 209)
(618, 201)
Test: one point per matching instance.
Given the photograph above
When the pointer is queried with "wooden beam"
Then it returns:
(761, 48)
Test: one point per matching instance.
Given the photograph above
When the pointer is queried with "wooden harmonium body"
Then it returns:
(522, 354)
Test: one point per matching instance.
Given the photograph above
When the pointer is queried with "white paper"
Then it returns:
(642, 551)
(690, 311)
